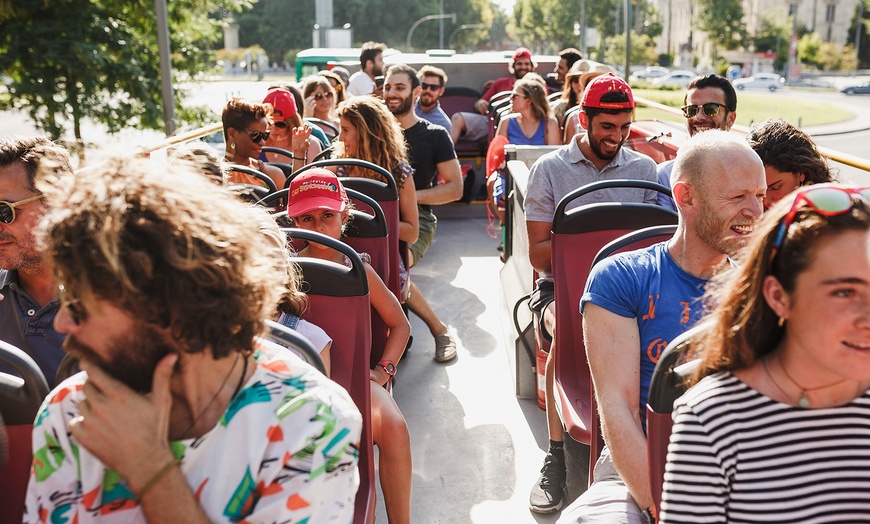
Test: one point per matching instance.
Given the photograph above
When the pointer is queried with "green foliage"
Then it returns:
(665, 59)
(836, 57)
(548, 25)
(808, 49)
(774, 35)
(864, 48)
(642, 50)
(98, 59)
(722, 20)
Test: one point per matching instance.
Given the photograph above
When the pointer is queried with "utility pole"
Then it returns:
(858, 24)
(165, 67)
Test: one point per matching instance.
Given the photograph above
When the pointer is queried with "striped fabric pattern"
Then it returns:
(738, 456)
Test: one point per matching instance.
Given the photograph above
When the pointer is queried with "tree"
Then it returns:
(722, 20)
(774, 36)
(277, 26)
(71, 60)
(808, 49)
(642, 50)
(864, 29)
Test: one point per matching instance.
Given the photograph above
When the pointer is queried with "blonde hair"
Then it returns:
(381, 140)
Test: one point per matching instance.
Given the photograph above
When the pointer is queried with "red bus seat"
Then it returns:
(458, 99)
(338, 302)
(577, 236)
(668, 383)
(20, 398)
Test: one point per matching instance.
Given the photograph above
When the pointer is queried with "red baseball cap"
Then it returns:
(521, 52)
(316, 188)
(282, 102)
(601, 86)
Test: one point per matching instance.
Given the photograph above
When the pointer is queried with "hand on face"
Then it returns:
(112, 413)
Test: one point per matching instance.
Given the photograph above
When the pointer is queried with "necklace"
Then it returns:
(775, 383)
(213, 398)
(803, 400)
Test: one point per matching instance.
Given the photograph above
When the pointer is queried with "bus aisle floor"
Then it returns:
(476, 448)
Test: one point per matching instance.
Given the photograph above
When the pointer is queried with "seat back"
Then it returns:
(20, 398)
(251, 173)
(668, 383)
(334, 288)
(329, 129)
(577, 237)
(295, 342)
(458, 99)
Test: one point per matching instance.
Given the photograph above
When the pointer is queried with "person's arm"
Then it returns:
(539, 244)
(276, 175)
(570, 131)
(502, 127)
(450, 190)
(554, 135)
(409, 225)
(695, 476)
(613, 350)
(388, 307)
(115, 413)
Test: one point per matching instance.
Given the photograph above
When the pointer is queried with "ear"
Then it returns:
(775, 296)
(684, 194)
(584, 120)
(730, 119)
(345, 216)
(416, 92)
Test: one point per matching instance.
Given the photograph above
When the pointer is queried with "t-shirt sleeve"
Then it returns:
(309, 468)
(443, 146)
(613, 285)
(695, 489)
(313, 333)
(54, 487)
(540, 205)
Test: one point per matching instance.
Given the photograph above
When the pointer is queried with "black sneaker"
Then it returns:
(548, 493)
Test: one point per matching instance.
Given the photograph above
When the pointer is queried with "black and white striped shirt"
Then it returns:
(738, 456)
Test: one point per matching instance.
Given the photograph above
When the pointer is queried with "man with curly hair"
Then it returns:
(183, 414)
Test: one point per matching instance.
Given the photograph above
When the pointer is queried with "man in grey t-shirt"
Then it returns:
(29, 293)
(597, 155)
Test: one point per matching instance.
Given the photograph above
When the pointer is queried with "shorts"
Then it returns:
(476, 127)
(541, 298)
(428, 222)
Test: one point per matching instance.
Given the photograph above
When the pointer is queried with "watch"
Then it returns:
(389, 367)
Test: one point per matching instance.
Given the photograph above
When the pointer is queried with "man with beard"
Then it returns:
(182, 413)
(29, 293)
(432, 82)
(591, 157)
(710, 103)
(371, 64)
(473, 126)
(431, 154)
(636, 302)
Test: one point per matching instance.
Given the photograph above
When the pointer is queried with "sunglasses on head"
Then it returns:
(321, 96)
(430, 87)
(257, 136)
(73, 305)
(710, 109)
(7, 209)
(826, 200)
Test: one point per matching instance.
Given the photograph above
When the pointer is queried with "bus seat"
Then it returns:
(333, 288)
(328, 128)
(458, 99)
(20, 398)
(253, 174)
(295, 342)
(577, 236)
(667, 385)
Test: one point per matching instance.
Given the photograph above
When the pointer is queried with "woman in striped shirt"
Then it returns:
(778, 430)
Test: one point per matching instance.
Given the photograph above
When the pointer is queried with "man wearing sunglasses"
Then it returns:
(432, 80)
(29, 302)
(710, 103)
(635, 303)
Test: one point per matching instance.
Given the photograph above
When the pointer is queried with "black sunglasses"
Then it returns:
(430, 87)
(7, 209)
(257, 136)
(710, 109)
(281, 124)
(76, 312)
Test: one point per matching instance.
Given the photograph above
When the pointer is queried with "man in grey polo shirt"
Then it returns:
(27, 284)
(597, 155)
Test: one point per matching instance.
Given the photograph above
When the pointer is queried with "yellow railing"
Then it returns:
(836, 156)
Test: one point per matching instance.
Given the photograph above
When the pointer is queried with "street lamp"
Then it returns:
(451, 16)
(461, 28)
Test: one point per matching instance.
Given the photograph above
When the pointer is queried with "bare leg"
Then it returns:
(554, 423)
(457, 121)
(420, 306)
(394, 456)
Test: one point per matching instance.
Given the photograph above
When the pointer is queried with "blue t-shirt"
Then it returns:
(647, 285)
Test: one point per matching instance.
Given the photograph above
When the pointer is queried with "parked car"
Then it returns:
(650, 73)
(675, 78)
(768, 81)
(859, 89)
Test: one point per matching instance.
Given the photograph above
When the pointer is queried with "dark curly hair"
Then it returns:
(788, 149)
(240, 113)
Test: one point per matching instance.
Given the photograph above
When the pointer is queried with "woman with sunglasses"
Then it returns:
(246, 130)
(778, 428)
(790, 158)
(337, 85)
(320, 101)
(288, 132)
(572, 121)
